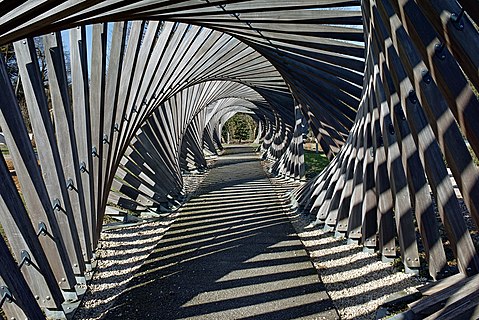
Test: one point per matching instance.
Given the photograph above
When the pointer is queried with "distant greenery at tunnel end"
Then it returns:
(240, 127)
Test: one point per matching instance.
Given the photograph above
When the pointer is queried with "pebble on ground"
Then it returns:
(357, 282)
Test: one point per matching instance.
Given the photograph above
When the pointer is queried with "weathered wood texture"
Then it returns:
(124, 97)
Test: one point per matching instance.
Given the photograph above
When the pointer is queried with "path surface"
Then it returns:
(231, 254)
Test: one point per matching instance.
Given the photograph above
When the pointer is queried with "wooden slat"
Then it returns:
(33, 188)
(47, 150)
(386, 104)
(23, 302)
(89, 115)
(23, 238)
(63, 119)
(434, 165)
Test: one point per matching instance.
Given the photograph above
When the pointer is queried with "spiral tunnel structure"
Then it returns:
(133, 93)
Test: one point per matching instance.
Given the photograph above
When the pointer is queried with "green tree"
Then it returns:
(241, 127)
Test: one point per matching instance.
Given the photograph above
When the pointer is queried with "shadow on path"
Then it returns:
(231, 254)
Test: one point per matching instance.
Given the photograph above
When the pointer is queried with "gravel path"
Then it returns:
(357, 282)
(232, 253)
(119, 256)
(120, 253)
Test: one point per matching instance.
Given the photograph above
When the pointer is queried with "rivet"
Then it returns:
(391, 129)
(82, 167)
(70, 184)
(426, 76)
(400, 113)
(47, 297)
(412, 96)
(439, 49)
(457, 20)
(380, 141)
(94, 151)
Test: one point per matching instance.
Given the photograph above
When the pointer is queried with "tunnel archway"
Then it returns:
(150, 82)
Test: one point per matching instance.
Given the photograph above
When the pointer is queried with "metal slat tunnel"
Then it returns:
(130, 95)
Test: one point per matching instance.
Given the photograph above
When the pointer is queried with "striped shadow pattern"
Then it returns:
(386, 87)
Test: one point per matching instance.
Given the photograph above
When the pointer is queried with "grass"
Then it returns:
(4, 149)
(255, 145)
(473, 155)
(315, 163)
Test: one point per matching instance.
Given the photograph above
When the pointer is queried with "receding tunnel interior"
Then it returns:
(109, 107)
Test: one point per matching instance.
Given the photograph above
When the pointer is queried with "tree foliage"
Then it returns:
(8, 55)
(241, 127)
